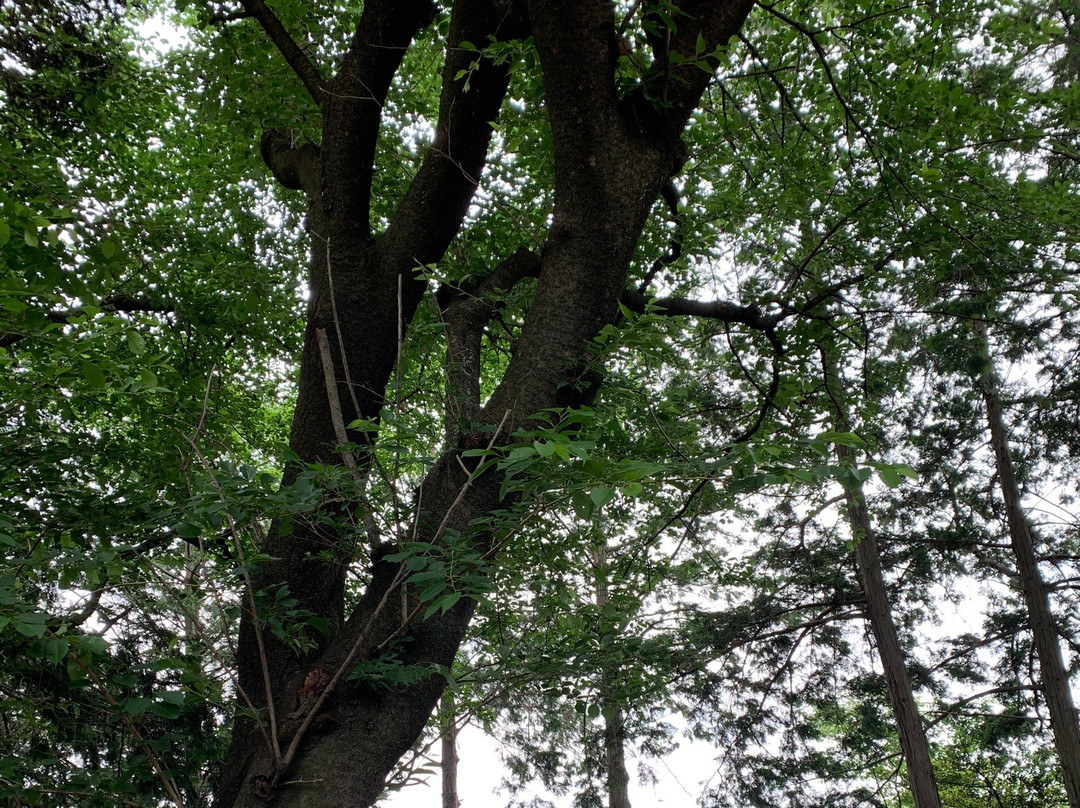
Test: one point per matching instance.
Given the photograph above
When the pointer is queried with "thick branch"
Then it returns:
(673, 87)
(295, 167)
(224, 18)
(353, 112)
(721, 310)
(118, 302)
(294, 55)
(578, 52)
(522, 264)
(130, 304)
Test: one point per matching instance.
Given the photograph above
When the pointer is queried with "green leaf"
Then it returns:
(90, 644)
(187, 530)
(94, 375)
(433, 589)
(56, 648)
(841, 438)
(5, 233)
(164, 710)
(601, 495)
(137, 706)
(583, 505)
(890, 476)
(30, 624)
(521, 453)
(169, 704)
(443, 604)
(136, 343)
(108, 248)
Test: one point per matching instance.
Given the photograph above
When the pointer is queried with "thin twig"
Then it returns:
(341, 341)
(332, 398)
(370, 457)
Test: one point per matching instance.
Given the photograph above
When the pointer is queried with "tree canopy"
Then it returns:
(602, 374)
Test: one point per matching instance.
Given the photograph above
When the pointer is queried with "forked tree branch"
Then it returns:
(473, 88)
(353, 112)
(465, 310)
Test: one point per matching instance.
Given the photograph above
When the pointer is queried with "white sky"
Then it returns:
(681, 777)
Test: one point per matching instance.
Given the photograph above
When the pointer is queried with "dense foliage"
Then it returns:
(877, 230)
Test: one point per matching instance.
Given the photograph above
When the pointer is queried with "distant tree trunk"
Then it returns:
(448, 761)
(1055, 679)
(913, 743)
(920, 769)
(618, 779)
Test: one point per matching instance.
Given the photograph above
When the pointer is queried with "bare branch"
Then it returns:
(335, 403)
(721, 310)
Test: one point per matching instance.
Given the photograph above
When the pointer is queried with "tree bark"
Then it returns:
(1055, 678)
(913, 742)
(333, 740)
(448, 760)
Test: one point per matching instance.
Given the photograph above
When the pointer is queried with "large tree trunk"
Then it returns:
(913, 743)
(320, 739)
(1055, 679)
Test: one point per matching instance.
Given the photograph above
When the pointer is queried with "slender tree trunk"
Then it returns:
(1055, 679)
(913, 743)
(920, 769)
(448, 761)
(618, 779)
